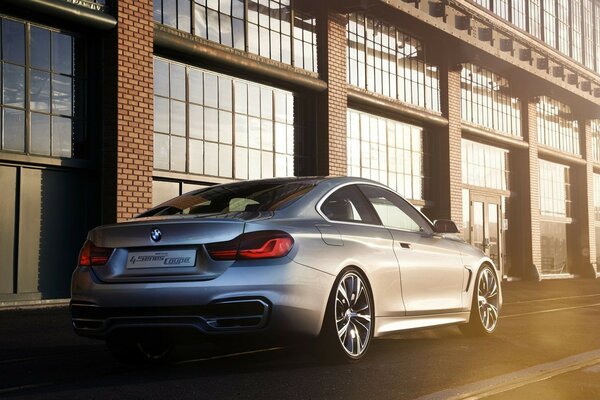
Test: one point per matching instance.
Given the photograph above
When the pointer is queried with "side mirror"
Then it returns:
(445, 226)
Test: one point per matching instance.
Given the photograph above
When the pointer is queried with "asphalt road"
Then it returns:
(547, 346)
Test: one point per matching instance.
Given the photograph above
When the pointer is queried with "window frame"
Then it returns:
(79, 139)
(428, 225)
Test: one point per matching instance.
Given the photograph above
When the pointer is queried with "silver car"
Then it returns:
(342, 260)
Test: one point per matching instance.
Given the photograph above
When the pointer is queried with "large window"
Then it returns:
(597, 34)
(519, 13)
(557, 127)
(384, 60)
(549, 7)
(535, 18)
(386, 151)
(553, 237)
(484, 166)
(501, 8)
(555, 198)
(38, 83)
(212, 124)
(270, 28)
(564, 27)
(571, 26)
(576, 31)
(588, 32)
(487, 100)
(555, 202)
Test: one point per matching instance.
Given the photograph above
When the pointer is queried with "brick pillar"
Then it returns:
(527, 176)
(584, 213)
(134, 85)
(332, 156)
(446, 161)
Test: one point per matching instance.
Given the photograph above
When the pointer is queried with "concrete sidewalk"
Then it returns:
(517, 291)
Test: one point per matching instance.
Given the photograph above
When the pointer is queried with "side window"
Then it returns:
(393, 211)
(348, 205)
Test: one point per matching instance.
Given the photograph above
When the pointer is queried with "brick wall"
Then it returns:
(454, 144)
(531, 221)
(447, 167)
(332, 51)
(134, 158)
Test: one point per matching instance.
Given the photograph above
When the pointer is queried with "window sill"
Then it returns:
(43, 161)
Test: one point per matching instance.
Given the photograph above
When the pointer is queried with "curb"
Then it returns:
(32, 304)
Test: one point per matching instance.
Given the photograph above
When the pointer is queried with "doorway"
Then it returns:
(485, 226)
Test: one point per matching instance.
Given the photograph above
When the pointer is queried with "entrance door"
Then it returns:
(485, 221)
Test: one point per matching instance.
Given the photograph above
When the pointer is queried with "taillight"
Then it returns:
(91, 255)
(252, 246)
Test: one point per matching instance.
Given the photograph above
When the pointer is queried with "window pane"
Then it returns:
(178, 154)
(61, 137)
(161, 78)
(177, 82)
(62, 93)
(40, 134)
(39, 50)
(40, 91)
(62, 53)
(13, 41)
(196, 156)
(196, 121)
(161, 151)
(13, 86)
(184, 20)
(170, 13)
(13, 135)
(178, 118)
(161, 114)
(196, 86)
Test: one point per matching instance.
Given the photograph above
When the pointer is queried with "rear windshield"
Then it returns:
(237, 197)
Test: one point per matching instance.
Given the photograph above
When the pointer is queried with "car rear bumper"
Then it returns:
(275, 300)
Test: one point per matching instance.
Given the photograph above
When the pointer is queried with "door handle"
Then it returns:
(405, 245)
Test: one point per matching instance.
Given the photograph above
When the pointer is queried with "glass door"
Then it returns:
(485, 226)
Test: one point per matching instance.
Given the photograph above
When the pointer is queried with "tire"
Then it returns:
(485, 306)
(136, 352)
(349, 320)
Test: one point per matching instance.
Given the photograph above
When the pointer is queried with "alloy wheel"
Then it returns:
(353, 319)
(488, 299)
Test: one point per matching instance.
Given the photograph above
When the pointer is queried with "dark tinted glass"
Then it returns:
(238, 197)
(348, 205)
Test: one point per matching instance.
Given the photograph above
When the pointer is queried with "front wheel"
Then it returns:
(486, 304)
(349, 319)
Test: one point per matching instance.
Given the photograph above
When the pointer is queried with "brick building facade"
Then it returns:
(484, 111)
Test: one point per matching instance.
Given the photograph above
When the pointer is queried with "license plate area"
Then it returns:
(161, 259)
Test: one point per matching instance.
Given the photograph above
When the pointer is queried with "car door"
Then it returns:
(367, 245)
(431, 270)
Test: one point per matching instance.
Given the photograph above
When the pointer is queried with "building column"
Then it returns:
(331, 125)
(446, 165)
(129, 161)
(584, 214)
(526, 175)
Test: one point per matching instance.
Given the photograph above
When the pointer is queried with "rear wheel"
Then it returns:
(485, 306)
(349, 320)
(145, 351)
